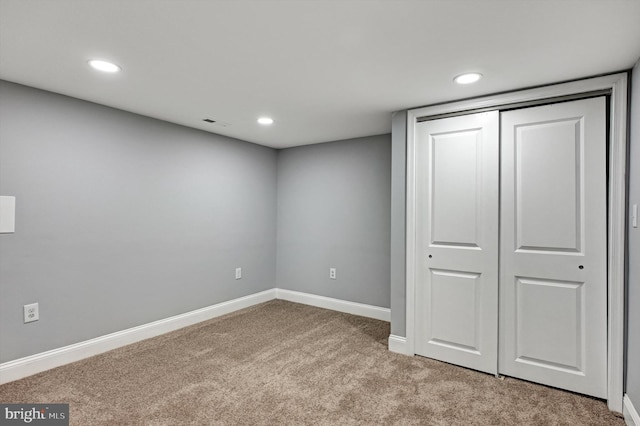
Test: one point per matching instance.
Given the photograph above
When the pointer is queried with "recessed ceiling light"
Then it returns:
(104, 66)
(265, 120)
(468, 78)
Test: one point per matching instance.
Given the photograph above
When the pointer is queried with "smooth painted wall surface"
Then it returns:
(633, 277)
(122, 220)
(334, 211)
(398, 223)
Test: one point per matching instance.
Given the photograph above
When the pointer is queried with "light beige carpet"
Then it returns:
(282, 363)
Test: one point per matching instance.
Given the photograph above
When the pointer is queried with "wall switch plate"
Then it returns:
(238, 273)
(332, 273)
(7, 215)
(31, 313)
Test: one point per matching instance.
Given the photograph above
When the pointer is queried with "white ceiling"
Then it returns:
(324, 70)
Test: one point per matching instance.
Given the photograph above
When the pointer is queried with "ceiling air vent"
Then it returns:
(216, 122)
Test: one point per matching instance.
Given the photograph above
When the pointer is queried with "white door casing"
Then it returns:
(553, 278)
(552, 249)
(457, 236)
(616, 86)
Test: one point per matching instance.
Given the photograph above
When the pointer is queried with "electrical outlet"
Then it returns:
(238, 273)
(31, 313)
(332, 273)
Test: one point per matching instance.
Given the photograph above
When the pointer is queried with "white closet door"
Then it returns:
(457, 236)
(553, 246)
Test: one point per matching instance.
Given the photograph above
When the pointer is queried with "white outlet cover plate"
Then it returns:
(31, 313)
(332, 273)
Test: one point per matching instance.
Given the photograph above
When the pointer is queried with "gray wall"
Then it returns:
(333, 211)
(633, 277)
(122, 220)
(398, 222)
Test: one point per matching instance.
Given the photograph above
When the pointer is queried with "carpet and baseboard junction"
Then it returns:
(285, 363)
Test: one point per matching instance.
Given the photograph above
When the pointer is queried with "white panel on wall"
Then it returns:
(7, 214)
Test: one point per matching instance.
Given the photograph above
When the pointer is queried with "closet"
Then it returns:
(511, 242)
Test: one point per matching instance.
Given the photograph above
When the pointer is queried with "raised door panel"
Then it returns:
(454, 309)
(454, 188)
(548, 202)
(550, 323)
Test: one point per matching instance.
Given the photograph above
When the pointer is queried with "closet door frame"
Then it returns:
(614, 85)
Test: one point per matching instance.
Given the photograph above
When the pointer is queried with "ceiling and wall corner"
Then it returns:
(322, 70)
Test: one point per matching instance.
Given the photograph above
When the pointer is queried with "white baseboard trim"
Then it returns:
(631, 415)
(33, 364)
(369, 311)
(23, 367)
(398, 344)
